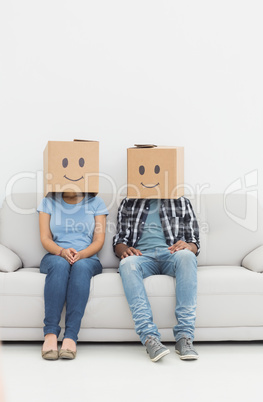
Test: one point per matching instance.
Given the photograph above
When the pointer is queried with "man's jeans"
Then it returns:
(70, 284)
(159, 261)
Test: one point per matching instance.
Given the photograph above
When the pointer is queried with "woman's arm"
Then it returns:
(46, 235)
(97, 241)
(47, 241)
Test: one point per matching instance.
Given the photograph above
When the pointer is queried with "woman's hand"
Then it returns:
(72, 256)
(78, 256)
(69, 255)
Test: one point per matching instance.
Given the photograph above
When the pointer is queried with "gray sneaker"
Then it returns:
(186, 351)
(155, 349)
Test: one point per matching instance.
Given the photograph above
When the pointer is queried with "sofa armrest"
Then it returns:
(254, 260)
(9, 261)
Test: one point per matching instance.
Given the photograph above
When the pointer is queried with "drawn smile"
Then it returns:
(150, 186)
(73, 179)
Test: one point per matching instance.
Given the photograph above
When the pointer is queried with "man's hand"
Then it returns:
(124, 251)
(130, 251)
(181, 245)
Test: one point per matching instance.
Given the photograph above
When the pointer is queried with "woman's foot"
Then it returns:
(50, 343)
(68, 349)
(50, 347)
(69, 344)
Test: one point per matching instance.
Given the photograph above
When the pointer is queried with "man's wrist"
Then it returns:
(120, 249)
(194, 247)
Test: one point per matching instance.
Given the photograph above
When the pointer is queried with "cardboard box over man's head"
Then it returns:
(71, 166)
(155, 172)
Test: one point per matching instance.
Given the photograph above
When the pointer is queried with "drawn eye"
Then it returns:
(65, 162)
(81, 162)
(141, 169)
(157, 169)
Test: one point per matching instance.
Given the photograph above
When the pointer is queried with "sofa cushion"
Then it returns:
(221, 219)
(230, 227)
(9, 261)
(254, 260)
(228, 296)
(19, 228)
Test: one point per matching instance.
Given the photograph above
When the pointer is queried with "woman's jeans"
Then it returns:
(70, 284)
(159, 261)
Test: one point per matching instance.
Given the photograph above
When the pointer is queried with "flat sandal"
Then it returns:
(67, 354)
(49, 354)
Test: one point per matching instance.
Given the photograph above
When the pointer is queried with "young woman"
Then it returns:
(72, 230)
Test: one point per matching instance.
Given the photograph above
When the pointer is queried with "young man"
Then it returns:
(159, 236)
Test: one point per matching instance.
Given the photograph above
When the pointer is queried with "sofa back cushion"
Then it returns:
(230, 227)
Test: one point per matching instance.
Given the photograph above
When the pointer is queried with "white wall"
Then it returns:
(167, 72)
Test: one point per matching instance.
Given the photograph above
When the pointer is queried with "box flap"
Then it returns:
(145, 145)
(84, 140)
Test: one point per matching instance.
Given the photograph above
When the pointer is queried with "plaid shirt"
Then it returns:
(177, 219)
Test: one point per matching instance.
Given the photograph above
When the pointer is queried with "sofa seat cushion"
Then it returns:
(228, 296)
(22, 302)
(108, 307)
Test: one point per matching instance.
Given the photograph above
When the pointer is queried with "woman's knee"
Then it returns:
(58, 266)
(87, 266)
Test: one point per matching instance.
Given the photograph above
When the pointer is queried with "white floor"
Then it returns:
(124, 372)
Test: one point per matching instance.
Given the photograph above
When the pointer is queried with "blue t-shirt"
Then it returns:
(72, 225)
(152, 235)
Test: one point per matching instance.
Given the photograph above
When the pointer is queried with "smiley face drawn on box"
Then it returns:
(65, 163)
(71, 166)
(155, 172)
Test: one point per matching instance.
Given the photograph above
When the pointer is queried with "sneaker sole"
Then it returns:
(156, 358)
(187, 357)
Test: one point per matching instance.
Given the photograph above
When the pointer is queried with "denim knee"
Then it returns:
(60, 267)
(88, 267)
(128, 265)
(80, 267)
(186, 263)
(187, 258)
(50, 262)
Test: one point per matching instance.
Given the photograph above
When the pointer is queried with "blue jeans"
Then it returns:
(159, 261)
(70, 284)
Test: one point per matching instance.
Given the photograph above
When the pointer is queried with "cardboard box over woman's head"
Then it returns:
(155, 172)
(71, 166)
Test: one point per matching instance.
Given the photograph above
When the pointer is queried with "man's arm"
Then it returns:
(191, 229)
(122, 229)
(121, 241)
(191, 232)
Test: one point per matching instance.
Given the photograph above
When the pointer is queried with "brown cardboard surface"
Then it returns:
(71, 166)
(155, 172)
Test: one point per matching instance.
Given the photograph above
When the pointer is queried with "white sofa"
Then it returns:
(230, 285)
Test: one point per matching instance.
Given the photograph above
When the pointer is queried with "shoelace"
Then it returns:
(154, 343)
(188, 343)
